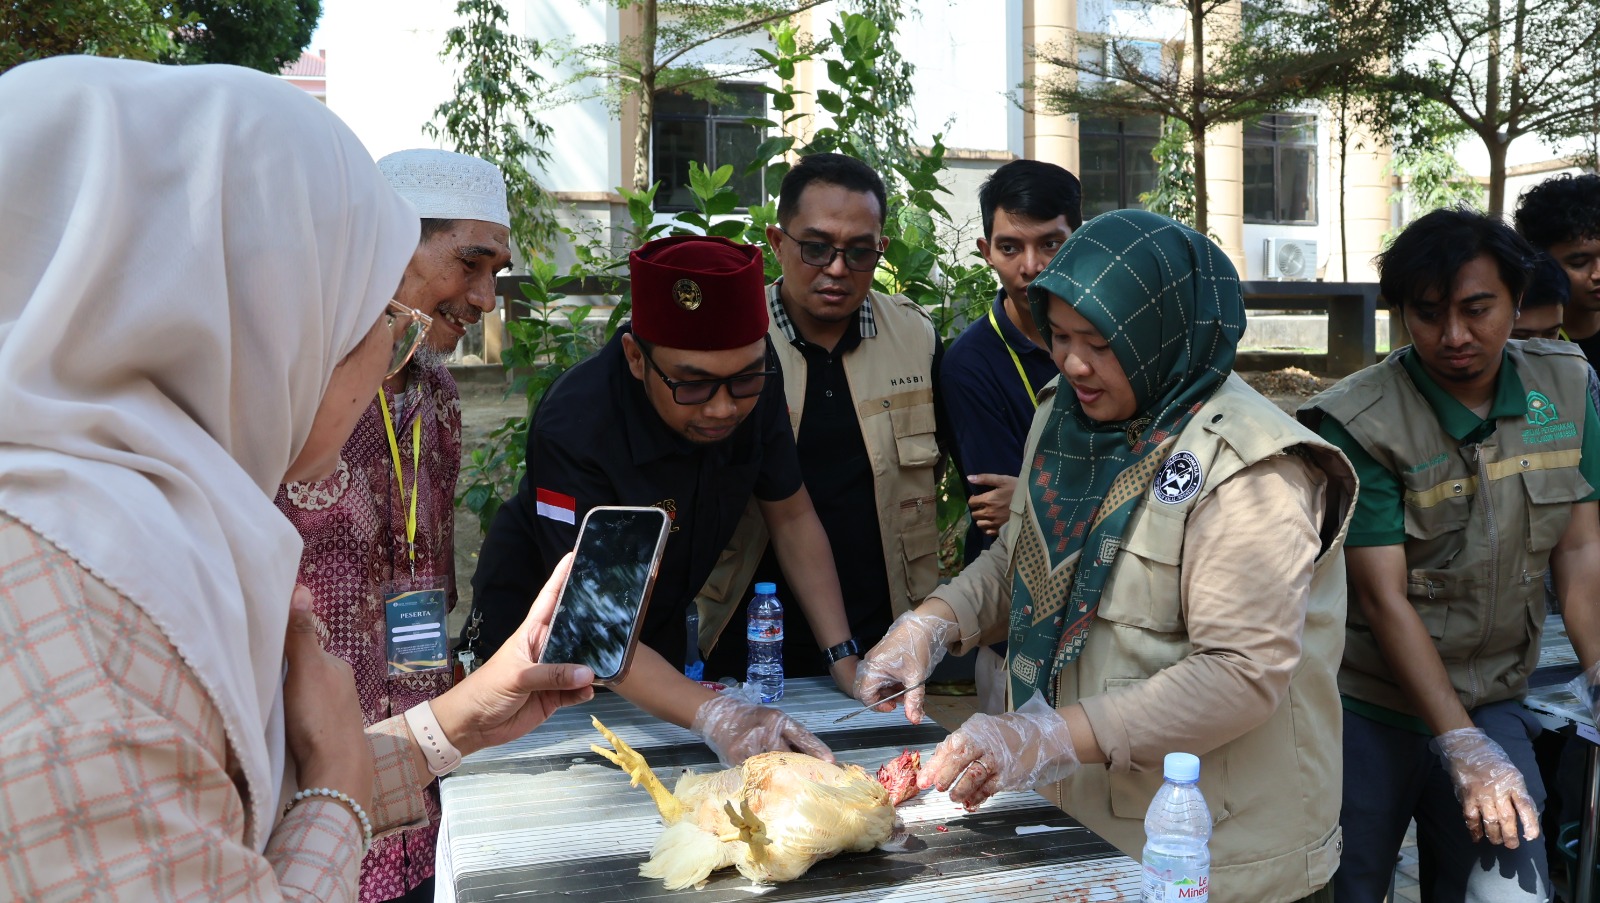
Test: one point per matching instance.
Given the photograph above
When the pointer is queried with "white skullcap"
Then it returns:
(446, 185)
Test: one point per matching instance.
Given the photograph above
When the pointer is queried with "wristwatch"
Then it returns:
(845, 649)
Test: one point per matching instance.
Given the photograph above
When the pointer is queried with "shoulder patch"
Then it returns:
(1179, 479)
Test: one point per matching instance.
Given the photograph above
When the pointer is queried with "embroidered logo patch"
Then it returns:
(1179, 479)
(1541, 410)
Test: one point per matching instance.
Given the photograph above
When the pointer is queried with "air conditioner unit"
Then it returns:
(1291, 258)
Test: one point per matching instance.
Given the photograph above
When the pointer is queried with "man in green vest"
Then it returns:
(1479, 458)
(859, 374)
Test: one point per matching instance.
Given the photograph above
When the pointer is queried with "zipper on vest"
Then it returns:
(1486, 495)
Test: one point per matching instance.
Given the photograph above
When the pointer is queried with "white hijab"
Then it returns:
(185, 254)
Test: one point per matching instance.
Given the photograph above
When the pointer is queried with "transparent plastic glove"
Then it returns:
(1586, 687)
(906, 655)
(990, 753)
(1492, 792)
(736, 729)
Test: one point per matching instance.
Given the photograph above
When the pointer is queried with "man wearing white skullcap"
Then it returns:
(379, 537)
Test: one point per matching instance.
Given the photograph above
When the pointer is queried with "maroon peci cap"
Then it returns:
(698, 293)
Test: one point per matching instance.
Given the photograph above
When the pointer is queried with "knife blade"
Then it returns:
(869, 708)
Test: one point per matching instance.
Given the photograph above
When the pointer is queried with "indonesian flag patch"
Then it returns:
(556, 506)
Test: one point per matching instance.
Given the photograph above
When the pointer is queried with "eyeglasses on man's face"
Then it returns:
(409, 327)
(821, 254)
(700, 391)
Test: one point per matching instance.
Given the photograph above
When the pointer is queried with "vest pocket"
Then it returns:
(919, 542)
(1550, 498)
(914, 442)
(1144, 590)
(1427, 594)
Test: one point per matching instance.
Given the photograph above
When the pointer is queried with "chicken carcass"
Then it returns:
(772, 817)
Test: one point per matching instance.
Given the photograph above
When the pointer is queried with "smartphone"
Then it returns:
(602, 604)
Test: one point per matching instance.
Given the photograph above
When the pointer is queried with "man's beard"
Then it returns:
(428, 357)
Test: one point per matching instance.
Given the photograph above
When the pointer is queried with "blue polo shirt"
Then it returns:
(987, 402)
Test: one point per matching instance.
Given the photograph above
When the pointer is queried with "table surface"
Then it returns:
(1548, 697)
(544, 815)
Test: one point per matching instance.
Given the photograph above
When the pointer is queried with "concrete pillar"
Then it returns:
(1367, 186)
(1225, 189)
(1053, 139)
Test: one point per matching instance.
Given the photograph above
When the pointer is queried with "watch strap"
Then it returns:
(845, 649)
(442, 757)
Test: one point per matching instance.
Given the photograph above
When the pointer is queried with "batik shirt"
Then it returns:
(354, 527)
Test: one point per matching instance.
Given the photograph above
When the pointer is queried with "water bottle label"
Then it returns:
(1182, 889)
(764, 632)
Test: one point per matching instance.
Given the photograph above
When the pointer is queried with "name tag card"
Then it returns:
(415, 631)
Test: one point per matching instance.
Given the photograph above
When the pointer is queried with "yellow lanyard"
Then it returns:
(416, 458)
(1016, 361)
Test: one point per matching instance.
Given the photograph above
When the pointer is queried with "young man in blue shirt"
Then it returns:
(993, 371)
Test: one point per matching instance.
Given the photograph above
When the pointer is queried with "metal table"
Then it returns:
(1556, 708)
(544, 815)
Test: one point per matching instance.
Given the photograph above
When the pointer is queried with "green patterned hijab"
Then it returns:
(1167, 301)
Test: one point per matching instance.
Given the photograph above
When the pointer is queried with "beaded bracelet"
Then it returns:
(341, 797)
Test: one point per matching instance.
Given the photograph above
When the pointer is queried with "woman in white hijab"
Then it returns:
(195, 268)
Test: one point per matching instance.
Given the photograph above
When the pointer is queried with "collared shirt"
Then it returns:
(354, 527)
(989, 405)
(596, 440)
(1379, 517)
(866, 323)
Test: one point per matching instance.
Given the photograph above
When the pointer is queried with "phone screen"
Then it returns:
(606, 592)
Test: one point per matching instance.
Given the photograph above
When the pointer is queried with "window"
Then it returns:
(1114, 162)
(1280, 169)
(713, 134)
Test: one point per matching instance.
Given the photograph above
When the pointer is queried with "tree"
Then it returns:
(35, 29)
(656, 60)
(1174, 192)
(489, 114)
(1234, 62)
(1504, 68)
(260, 34)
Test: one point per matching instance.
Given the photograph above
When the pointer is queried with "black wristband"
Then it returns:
(845, 649)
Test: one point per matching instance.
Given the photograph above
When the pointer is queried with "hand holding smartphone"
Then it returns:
(602, 603)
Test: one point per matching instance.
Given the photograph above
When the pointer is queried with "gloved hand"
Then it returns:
(906, 655)
(991, 753)
(1586, 687)
(736, 729)
(1492, 792)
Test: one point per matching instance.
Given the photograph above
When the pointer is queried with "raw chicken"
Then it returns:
(773, 817)
(899, 776)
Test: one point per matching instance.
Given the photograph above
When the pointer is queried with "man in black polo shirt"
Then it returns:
(859, 371)
(994, 370)
(681, 410)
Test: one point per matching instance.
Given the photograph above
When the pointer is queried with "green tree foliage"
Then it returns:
(489, 114)
(260, 34)
(1503, 68)
(658, 58)
(35, 29)
(1174, 191)
(1235, 62)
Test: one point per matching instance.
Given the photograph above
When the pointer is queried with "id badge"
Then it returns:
(414, 630)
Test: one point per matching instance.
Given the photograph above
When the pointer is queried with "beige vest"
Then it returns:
(1480, 520)
(890, 378)
(1274, 793)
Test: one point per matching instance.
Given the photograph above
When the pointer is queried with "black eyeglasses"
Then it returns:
(700, 391)
(821, 254)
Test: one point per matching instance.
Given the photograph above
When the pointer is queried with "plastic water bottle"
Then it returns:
(693, 667)
(1177, 862)
(764, 635)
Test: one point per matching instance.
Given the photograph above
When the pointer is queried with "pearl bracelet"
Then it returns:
(341, 797)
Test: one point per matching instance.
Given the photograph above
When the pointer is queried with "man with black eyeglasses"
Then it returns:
(682, 410)
(858, 370)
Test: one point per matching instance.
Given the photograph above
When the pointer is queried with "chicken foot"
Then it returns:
(633, 764)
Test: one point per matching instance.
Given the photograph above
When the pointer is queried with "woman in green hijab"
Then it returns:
(1171, 577)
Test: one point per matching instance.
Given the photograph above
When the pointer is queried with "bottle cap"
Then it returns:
(766, 589)
(1182, 767)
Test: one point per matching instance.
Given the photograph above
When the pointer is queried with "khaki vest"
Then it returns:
(1274, 793)
(890, 378)
(1480, 520)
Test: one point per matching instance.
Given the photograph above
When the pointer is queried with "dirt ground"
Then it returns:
(484, 407)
